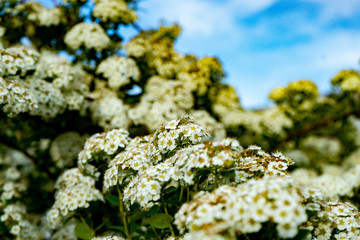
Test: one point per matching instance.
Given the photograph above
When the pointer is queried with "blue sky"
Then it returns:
(264, 43)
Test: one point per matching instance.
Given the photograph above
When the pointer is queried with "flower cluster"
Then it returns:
(89, 35)
(50, 101)
(74, 190)
(15, 97)
(102, 145)
(175, 155)
(347, 80)
(143, 152)
(54, 85)
(335, 182)
(65, 148)
(332, 219)
(119, 71)
(107, 110)
(181, 169)
(67, 232)
(16, 60)
(202, 74)
(163, 100)
(303, 88)
(114, 10)
(15, 216)
(110, 237)
(40, 15)
(229, 212)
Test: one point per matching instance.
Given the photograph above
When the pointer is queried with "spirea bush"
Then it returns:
(108, 140)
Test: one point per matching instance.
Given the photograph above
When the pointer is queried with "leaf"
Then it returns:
(161, 220)
(154, 210)
(118, 228)
(170, 190)
(83, 231)
(67, 220)
(228, 174)
(102, 224)
(112, 199)
(303, 233)
(2, 227)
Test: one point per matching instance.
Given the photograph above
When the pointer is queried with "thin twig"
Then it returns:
(305, 130)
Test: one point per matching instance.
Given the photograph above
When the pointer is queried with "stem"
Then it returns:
(181, 193)
(166, 211)
(308, 128)
(216, 179)
(123, 214)
(188, 194)
(155, 233)
(89, 229)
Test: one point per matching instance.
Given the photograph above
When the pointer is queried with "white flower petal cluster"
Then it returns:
(65, 148)
(74, 190)
(272, 120)
(43, 16)
(54, 85)
(181, 168)
(138, 155)
(110, 112)
(50, 100)
(110, 237)
(89, 35)
(16, 60)
(66, 232)
(175, 153)
(213, 127)
(334, 183)
(163, 100)
(334, 220)
(177, 134)
(233, 211)
(119, 71)
(114, 11)
(16, 97)
(15, 215)
(106, 143)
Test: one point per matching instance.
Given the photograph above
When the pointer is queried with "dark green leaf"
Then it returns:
(132, 227)
(112, 199)
(161, 220)
(66, 221)
(117, 228)
(83, 231)
(303, 233)
(170, 190)
(154, 210)
(228, 174)
(2, 227)
(102, 224)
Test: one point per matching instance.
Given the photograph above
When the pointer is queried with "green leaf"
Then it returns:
(303, 233)
(154, 210)
(161, 220)
(112, 199)
(170, 190)
(67, 220)
(118, 228)
(228, 174)
(2, 227)
(102, 224)
(83, 231)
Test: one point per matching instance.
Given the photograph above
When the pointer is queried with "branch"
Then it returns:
(306, 129)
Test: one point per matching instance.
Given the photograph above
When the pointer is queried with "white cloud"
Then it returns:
(202, 17)
(257, 73)
(332, 9)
